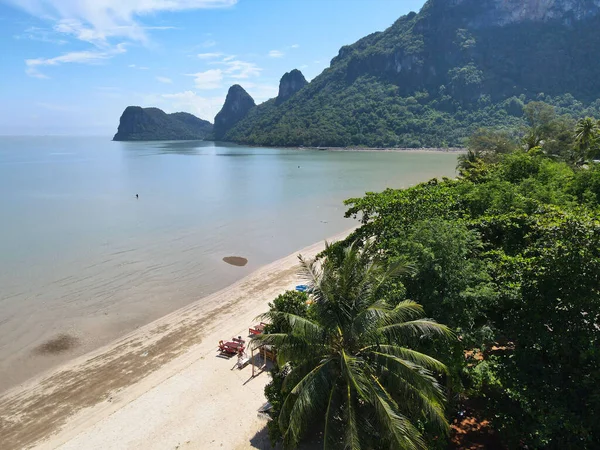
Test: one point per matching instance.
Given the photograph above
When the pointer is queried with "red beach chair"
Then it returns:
(257, 329)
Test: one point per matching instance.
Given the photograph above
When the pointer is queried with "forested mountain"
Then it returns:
(153, 124)
(237, 104)
(433, 77)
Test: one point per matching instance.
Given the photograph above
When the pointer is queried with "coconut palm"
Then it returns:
(468, 160)
(586, 136)
(352, 365)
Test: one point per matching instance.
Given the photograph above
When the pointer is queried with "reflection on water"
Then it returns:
(80, 255)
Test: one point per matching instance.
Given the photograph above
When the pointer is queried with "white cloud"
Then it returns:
(97, 20)
(204, 107)
(276, 54)
(164, 80)
(83, 57)
(209, 55)
(100, 22)
(261, 92)
(82, 32)
(234, 68)
(295, 46)
(211, 79)
(41, 35)
(208, 44)
(135, 66)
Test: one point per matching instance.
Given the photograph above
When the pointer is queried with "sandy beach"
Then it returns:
(161, 387)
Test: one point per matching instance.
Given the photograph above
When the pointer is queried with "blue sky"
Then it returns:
(72, 66)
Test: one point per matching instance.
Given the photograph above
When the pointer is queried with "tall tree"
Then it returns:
(355, 361)
(586, 138)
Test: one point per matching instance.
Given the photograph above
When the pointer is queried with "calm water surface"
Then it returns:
(79, 254)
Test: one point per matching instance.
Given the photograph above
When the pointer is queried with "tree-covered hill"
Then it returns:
(432, 78)
(153, 124)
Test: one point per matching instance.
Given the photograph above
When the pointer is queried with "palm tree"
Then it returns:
(467, 161)
(586, 135)
(350, 363)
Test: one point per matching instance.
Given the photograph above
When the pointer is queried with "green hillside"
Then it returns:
(432, 78)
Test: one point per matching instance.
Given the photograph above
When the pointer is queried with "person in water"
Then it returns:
(137, 195)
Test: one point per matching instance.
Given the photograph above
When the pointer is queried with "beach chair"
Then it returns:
(257, 329)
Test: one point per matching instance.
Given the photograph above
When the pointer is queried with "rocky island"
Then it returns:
(153, 124)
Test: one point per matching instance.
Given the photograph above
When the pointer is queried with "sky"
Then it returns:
(70, 67)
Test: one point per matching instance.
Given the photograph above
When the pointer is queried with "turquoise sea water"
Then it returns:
(79, 254)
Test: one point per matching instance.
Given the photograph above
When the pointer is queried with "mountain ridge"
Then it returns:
(432, 77)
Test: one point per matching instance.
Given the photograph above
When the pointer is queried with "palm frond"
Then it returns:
(393, 424)
(416, 329)
(414, 356)
(352, 438)
(404, 311)
(330, 437)
(416, 402)
(306, 398)
(353, 374)
(414, 375)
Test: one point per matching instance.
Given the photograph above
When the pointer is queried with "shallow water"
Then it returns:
(82, 257)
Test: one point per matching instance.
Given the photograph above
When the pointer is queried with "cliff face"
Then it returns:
(237, 105)
(153, 124)
(433, 77)
(291, 82)
(504, 12)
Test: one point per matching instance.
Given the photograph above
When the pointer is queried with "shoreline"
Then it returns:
(98, 399)
(323, 148)
(386, 149)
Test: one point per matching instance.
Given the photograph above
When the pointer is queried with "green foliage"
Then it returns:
(509, 256)
(290, 302)
(153, 124)
(356, 366)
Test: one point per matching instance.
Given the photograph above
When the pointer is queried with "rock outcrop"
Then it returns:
(504, 12)
(237, 105)
(153, 124)
(290, 83)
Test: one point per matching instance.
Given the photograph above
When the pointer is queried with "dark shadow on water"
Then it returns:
(58, 344)
(183, 147)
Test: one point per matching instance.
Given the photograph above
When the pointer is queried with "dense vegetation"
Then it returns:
(352, 359)
(153, 124)
(433, 78)
(507, 256)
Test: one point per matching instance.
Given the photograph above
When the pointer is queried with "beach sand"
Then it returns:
(161, 387)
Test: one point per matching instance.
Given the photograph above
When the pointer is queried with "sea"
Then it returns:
(98, 238)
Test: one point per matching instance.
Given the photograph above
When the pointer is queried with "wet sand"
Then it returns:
(162, 386)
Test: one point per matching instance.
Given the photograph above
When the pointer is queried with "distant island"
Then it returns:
(429, 80)
(153, 124)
